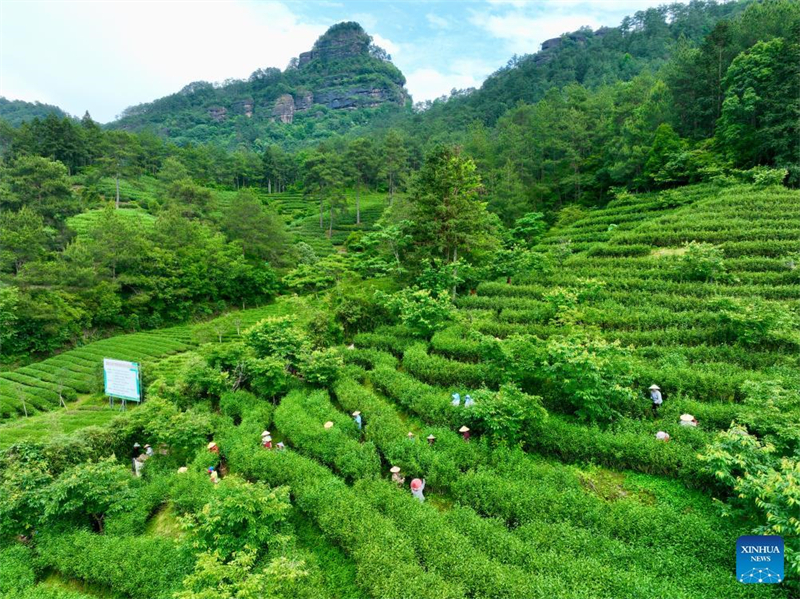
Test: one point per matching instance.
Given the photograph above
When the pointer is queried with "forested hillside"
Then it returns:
(344, 81)
(15, 112)
(538, 340)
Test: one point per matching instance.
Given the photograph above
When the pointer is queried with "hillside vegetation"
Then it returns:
(480, 295)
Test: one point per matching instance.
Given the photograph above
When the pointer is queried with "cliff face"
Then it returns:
(334, 71)
(343, 71)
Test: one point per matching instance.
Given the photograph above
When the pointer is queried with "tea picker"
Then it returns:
(468, 401)
(417, 486)
(655, 396)
(688, 420)
(464, 432)
(396, 478)
(136, 452)
(456, 400)
(266, 440)
(357, 419)
(431, 439)
(212, 474)
(148, 451)
(662, 436)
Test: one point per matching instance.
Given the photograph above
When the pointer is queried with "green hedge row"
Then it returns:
(442, 548)
(135, 567)
(387, 565)
(437, 370)
(300, 417)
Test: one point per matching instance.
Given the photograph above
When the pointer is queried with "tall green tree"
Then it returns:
(450, 216)
(42, 185)
(24, 238)
(119, 157)
(362, 160)
(395, 157)
(761, 114)
(259, 229)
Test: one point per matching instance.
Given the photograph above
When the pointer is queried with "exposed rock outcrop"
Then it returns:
(244, 107)
(284, 108)
(217, 113)
(303, 100)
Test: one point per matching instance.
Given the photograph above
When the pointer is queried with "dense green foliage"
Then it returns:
(613, 212)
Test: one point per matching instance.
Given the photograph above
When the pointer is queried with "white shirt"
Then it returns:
(418, 492)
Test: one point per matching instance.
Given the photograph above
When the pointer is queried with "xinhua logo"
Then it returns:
(759, 560)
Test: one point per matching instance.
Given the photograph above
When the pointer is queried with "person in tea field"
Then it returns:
(688, 420)
(417, 486)
(410, 436)
(148, 450)
(357, 419)
(468, 401)
(266, 440)
(280, 446)
(464, 430)
(431, 439)
(213, 448)
(212, 475)
(396, 478)
(136, 451)
(662, 436)
(456, 400)
(655, 396)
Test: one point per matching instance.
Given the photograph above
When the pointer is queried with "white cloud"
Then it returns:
(523, 34)
(129, 52)
(429, 84)
(386, 44)
(437, 21)
(368, 21)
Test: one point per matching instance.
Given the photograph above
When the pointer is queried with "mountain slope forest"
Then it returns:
(618, 210)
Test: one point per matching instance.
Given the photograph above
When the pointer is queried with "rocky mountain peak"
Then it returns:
(343, 40)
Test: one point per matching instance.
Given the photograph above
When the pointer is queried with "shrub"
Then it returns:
(16, 570)
(702, 262)
(508, 414)
(590, 377)
(422, 311)
(276, 336)
(755, 322)
(320, 367)
(239, 514)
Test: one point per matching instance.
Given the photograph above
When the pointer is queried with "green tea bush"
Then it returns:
(437, 543)
(387, 431)
(136, 567)
(300, 417)
(431, 404)
(757, 322)
(437, 370)
(16, 570)
(387, 565)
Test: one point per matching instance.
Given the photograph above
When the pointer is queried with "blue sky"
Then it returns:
(103, 56)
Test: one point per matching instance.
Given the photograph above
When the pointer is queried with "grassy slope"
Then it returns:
(79, 371)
